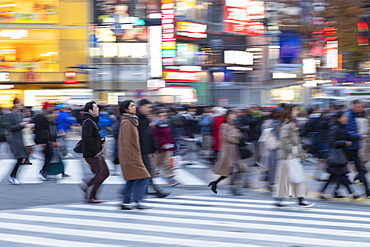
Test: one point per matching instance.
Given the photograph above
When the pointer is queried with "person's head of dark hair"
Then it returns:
(89, 106)
(276, 113)
(286, 115)
(123, 106)
(16, 101)
(143, 102)
(356, 101)
(309, 110)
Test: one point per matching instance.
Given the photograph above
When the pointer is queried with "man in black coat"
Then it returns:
(46, 135)
(93, 151)
(147, 142)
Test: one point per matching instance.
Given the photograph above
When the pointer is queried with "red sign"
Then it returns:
(241, 17)
(168, 28)
(191, 30)
(71, 77)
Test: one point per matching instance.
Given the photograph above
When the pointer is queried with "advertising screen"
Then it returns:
(29, 11)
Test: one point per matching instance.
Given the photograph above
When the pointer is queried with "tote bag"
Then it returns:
(296, 172)
(336, 157)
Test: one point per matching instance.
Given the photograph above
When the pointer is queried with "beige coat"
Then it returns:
(289, 138)
(129, 152)
(229, 157)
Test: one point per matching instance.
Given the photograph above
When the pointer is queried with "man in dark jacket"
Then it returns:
(46, 135)
(352, 151)
(147, 142)
(93, 151)
(16, 123)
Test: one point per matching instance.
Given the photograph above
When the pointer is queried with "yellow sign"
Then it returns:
(169, 45)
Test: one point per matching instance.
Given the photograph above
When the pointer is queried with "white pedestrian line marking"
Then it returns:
(211, 221)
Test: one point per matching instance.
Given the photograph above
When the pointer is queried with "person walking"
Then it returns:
(163, 136)
(218, 119)
(133, 169)
(46, 135)
(205, 123)
(147, 142)
(16, 123)
(229, 160)
(289, 138)
(337, 138)
(352, 151)
(93, 151)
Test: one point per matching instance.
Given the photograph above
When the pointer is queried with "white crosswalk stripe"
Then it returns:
(28, 174)
(185, 221)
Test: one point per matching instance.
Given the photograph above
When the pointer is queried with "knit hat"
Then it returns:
(46, 104)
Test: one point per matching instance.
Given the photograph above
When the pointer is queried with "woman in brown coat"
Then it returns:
(133, 169)
(290, 140)
(229, 160)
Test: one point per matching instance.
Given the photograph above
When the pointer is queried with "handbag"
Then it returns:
(79, 147)
(244, 151)
(336, 157)
(296, 172)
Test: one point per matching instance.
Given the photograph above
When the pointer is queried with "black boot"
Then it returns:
(213, 185)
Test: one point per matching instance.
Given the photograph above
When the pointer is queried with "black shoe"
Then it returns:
(306, 204)
(162, 194)
(27, 162)
(336, 195)
(280, 205)
(65, 175)
(213, 185)
(358, 196)
(322, 197)
(43, 175)
(126, 206)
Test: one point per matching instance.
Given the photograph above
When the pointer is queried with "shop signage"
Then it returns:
(180, 76)
(4, 77)
(241, 17)
(168, 30)
(191, 30)
(71, 77)
(156, 84)
(14, 34)
(238, 57)
(155, 52)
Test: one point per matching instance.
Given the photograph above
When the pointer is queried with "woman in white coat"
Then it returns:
(290, 140)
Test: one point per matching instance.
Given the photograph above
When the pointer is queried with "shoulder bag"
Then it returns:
(336, 157)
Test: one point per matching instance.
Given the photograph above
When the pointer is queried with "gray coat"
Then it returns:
(15, 137)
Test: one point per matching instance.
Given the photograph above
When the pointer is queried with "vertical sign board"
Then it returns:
(240, 17)
(168, 32)
(155, 51)
(332, 54)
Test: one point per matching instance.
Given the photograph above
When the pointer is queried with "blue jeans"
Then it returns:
(135, 190)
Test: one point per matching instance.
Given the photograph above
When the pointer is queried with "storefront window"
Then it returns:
(25, 50)
(196, 10)
(28, 11)
(186, 54)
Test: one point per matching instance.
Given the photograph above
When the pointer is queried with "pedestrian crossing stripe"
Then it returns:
(28, 174)
(186, 221)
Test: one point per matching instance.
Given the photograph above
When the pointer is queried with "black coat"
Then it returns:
(91, 136)
(45, 130)
(147, 142)
(336, 136)
(15, 135)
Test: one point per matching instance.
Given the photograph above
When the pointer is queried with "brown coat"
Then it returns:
(129, 152)
(229, 158)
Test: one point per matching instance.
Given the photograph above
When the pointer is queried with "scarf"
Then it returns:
(133, 118)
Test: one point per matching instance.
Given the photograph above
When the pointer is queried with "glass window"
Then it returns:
(28, 11)
(192, 9)
(186, 54)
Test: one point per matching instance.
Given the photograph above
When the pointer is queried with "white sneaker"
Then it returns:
(68, 155)
(13, 180)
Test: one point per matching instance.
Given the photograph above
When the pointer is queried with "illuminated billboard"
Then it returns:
(29, 11)
(241, 16)
(191, 30)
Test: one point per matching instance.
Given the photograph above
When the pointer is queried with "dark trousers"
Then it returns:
(338, 175)
(148, 165)
(101, 171)
(16, 167)
(135, 190)
(48, 155)
(352, 155)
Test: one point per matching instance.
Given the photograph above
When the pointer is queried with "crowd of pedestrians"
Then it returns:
(148, 135)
